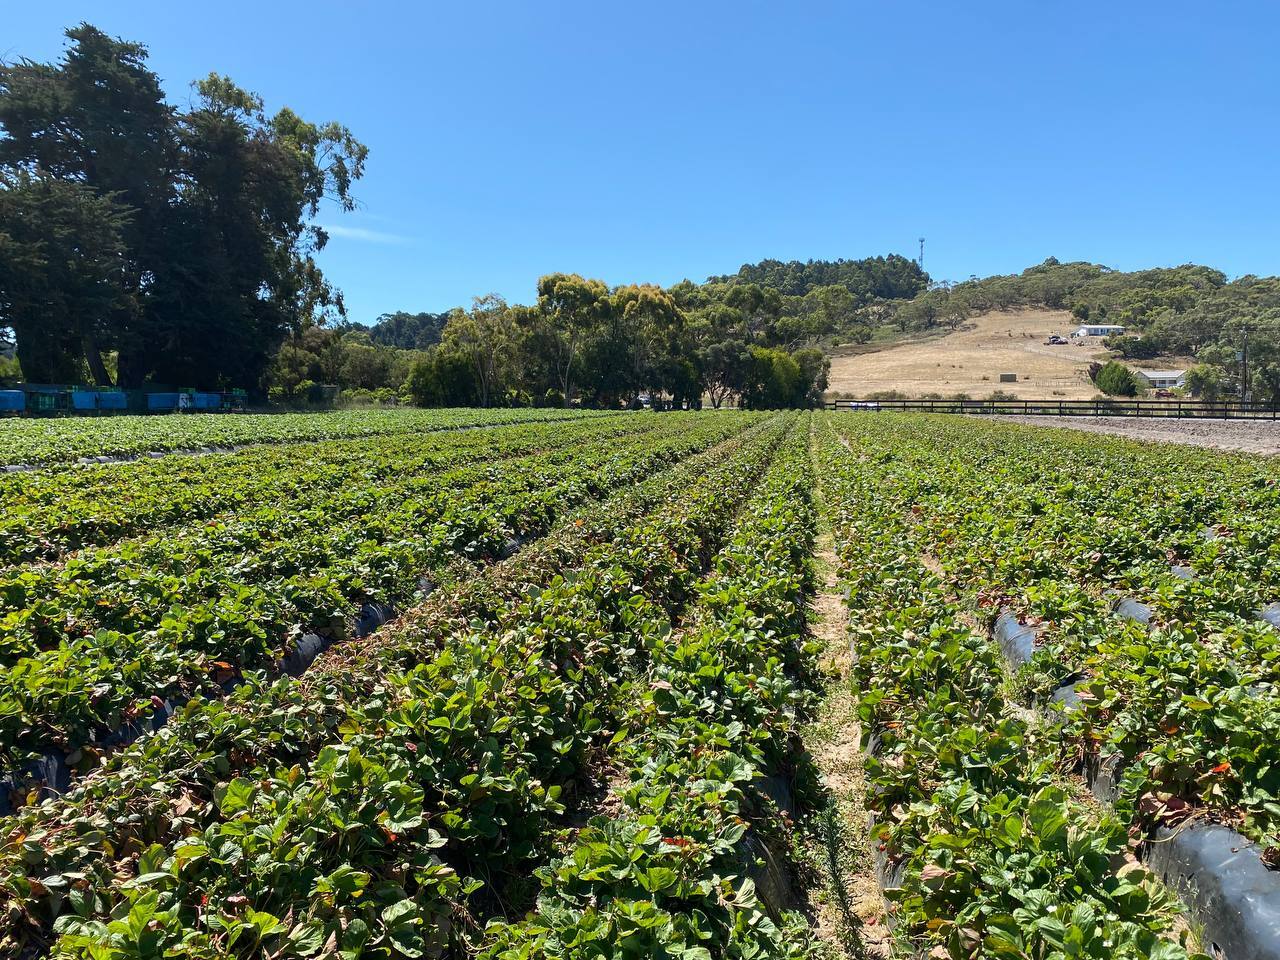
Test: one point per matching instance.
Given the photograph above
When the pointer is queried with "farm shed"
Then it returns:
(1163, 379)
(1098, 330)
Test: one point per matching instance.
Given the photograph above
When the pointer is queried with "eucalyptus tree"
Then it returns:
(487, 336)
(652, 327)
(61, 265)
(570, 311)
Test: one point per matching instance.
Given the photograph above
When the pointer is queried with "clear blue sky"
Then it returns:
(655, 141)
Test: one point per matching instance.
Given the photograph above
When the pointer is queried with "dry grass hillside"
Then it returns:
(971, 360)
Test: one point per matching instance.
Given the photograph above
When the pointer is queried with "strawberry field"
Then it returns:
(554, 687)
(85, 440)
(1065, 653)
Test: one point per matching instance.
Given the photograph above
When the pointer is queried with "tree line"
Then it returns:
(893, 277)
(729, 340)
(756, 338)
(583, 341)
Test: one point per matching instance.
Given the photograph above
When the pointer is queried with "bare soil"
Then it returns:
(1246, 436)
(851, 917)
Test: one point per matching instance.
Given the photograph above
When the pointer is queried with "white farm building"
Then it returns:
(1098, 330)
(1163, 379)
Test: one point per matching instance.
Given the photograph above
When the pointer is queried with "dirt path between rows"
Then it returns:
(851, 920)
(1246, 436)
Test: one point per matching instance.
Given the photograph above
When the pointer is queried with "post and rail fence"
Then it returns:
(1109, 407)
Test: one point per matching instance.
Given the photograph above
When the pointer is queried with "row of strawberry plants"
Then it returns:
(48, 514)
(64, 441)
(1184, 706)
(984, 851)
(195, 630)
(444, 777)
(700, 717)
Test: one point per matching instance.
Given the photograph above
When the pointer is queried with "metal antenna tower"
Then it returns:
(920, 262)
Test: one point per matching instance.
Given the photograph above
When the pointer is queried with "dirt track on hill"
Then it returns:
(1256, 436)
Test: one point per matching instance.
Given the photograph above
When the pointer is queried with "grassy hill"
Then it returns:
(971, 359)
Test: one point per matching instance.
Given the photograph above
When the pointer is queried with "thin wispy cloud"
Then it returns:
(363, 233)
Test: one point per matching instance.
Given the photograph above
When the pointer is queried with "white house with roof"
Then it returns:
(1163, 379)
(1098, 330)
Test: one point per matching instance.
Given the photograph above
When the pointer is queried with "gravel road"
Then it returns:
(1248, 436)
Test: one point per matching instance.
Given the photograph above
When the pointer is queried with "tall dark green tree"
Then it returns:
(98, 119)
(61, 264)
(244, 276)
(773, 380)
(215, 208)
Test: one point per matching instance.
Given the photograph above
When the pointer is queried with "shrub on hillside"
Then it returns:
(1117, 380)
(1145, 347)
(1205, 382)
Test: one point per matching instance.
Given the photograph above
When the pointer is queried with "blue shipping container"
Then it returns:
(113, 400)
(12, 400)
(162, 401)
(84, 400)
(207, 401)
